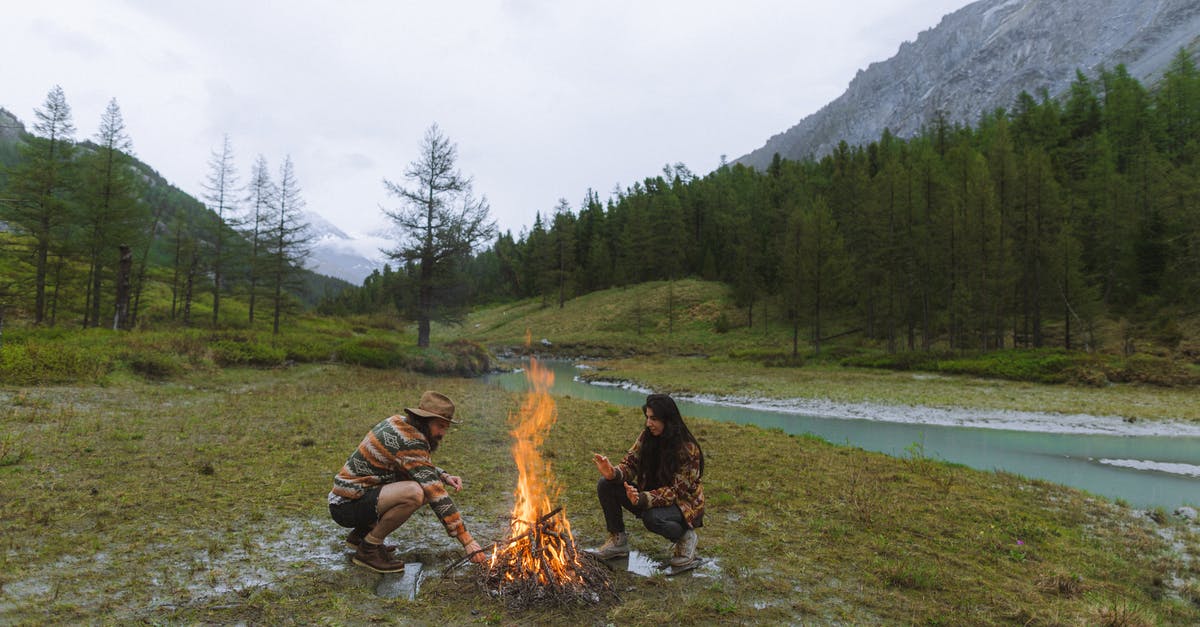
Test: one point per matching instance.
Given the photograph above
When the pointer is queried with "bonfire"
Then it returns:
(538, 561)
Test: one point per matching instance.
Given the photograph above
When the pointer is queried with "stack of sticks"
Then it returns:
(521, 573)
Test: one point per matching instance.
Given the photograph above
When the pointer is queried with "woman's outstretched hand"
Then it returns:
(631, 493)
(605, 466)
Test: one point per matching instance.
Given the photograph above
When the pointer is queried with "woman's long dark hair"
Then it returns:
(660, 455)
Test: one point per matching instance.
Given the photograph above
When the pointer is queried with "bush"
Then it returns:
(306, 348)
(36, 363)
(789, 361)
(1141, 368)
(156, 365)
(246, 353)
(1037, 365)
(371, 352)
(722, 323)
(907, 360)
(470, 358)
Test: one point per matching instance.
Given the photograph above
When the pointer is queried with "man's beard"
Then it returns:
(422, 425)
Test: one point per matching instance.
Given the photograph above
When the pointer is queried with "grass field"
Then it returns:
(720, 376)
(179, 475)
(200, 499)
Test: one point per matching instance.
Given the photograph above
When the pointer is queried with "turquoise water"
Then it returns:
(1161, 478)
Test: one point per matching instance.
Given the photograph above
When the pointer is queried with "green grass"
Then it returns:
(723, 376)
(57, 355)
(630, 330)
(659, 317)
(200, 499)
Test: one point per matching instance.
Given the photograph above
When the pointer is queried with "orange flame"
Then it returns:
(540, 544)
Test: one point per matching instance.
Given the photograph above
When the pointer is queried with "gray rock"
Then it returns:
(1187, 513)
(982, 56)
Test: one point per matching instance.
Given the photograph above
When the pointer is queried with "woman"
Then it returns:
(659, 481)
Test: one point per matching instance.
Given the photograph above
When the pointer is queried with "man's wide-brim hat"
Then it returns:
(434, 405)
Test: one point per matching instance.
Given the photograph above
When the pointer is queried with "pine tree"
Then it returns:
(562, 238)
(260, 198)
(289, 240)
(110, 213)
(40, 184)
(441, 223)
(220, 190)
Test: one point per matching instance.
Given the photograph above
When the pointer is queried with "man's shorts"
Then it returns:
(360, 512)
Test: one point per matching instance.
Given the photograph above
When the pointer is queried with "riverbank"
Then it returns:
(911, 398)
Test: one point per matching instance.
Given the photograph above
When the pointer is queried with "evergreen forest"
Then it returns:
(92, 237)
(1028, 229)
(1022, 231)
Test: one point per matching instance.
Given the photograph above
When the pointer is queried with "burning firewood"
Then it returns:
(538, 562)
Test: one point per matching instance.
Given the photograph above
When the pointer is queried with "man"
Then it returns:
(390, 476)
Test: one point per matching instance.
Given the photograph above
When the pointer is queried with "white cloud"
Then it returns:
(544, 99)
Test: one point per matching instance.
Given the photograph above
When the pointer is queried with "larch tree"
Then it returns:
(109, 210)
(260, 198)
(289, 239)
(40, 184)
(441, 223)
(220, 194)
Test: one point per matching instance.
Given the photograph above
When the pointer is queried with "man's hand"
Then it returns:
(631, 493)
(605, 466)
(452, 480)
(473, 549)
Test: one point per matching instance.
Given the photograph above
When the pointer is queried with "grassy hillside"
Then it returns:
(202, 500)
(659, 317)
(697, 318)
(102, 356)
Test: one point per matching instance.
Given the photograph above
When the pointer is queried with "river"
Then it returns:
(1146, 469)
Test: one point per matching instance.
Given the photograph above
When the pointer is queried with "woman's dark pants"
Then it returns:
(665, 521)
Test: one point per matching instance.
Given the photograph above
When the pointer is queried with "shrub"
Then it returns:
(306, 348)
(246, 353)
(156, 365)
(371, 352)
(37, 362)
(789, 361)
(722, 323)
(911, 575)
(1061, 584)
(11, 451)
(1121, 614)
(1142, 368)
(470, 358)
(1038, 365)
(907, 360)
(1191, 592)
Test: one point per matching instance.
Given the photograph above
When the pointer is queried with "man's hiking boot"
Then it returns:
(377, 558)
(617, 545)
(685, 549)
(358, 534)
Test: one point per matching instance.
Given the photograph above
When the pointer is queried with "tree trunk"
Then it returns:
(40, 305)
(97, 283)
(124, 272)
(188, 283)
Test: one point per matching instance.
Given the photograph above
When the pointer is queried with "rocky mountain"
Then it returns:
(985, 54)
(10, 127)
(338, 254)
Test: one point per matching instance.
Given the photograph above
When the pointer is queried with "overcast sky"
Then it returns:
(543, 99)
